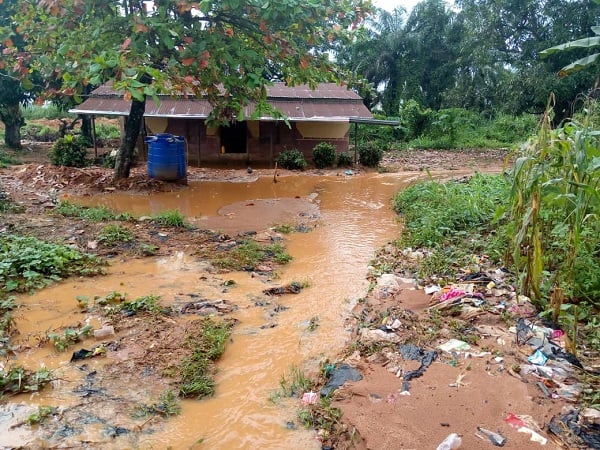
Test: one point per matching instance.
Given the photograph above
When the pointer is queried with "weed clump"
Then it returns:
(70, 151)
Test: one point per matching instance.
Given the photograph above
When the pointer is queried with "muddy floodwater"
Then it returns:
(347, 219)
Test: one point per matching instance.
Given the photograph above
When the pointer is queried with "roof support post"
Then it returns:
(355, 142)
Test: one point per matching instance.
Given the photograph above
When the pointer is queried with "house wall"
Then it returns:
(265, 140)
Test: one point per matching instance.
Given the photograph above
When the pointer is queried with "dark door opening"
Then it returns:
(233, 138)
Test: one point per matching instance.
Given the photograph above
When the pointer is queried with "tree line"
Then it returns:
(480, 55)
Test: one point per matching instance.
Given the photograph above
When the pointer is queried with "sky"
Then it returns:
(390, 5)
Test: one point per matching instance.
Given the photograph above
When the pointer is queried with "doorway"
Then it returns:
(234, 138)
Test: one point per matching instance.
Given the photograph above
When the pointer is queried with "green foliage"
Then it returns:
(39, 133)
(50, 111)
(324, 155)
(117, 302)
(370, 154)
(167, 405)
(169, 219)
(70, 151)
(42, 414)
(292, 159)
(434, 212)
(248, 254)
(70, 336)
(293, 383)
(107, 131)
(28, 263)
(6, 161)
(206, 346)
(93, 214)
(16, 380)
(345, 159)
(555, 207)
(114, 234)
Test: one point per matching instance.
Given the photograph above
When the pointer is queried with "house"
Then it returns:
(320, 115)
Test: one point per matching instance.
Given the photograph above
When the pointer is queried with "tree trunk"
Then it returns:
(86, 127)
(132, 132)
(13, 121)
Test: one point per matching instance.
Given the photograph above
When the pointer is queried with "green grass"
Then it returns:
(249, 254)
(114, 234)
(170, 219)
(5, 159)
(93, 214)
(206, 347)
(293, 383)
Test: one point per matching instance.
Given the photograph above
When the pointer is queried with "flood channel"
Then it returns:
(355, 218)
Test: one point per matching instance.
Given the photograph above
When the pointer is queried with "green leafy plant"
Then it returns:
(16, 379)
(69, 151)
(324, 155)
(293, 383)
(42, 414)
(69, 336)
(114, 234)
(28, 263)
(167, 405)
(292, 159)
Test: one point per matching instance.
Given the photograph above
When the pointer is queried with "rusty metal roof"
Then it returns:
(328, 101)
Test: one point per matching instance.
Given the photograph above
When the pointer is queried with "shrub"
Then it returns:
(69, 151)
(292, 159)
(370, 154)
(324, 155)
(345, 160)
(39, 133)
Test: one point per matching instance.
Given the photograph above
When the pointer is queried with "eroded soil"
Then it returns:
(455, 394)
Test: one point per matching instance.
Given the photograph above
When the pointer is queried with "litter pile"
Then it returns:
(479, 318)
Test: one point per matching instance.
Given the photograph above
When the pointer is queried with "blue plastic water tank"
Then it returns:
(166, 157)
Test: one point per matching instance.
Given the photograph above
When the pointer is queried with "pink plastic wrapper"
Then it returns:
(452, 293)
(309, 398)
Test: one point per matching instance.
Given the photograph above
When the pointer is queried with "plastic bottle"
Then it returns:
(452, 442)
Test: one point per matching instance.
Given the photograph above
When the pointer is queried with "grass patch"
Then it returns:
(93, 214)
(167, 405)
(27, 263)
(170, 219)
(206, 346)
(7, 160)
(292, 384)
(249, 254)
(115, 234)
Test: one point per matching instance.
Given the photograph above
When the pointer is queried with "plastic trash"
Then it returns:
(452, 442)
(454, 345)
(538, 358)
(105, 331)
(522, 427)
(310, 398)
(495, 438)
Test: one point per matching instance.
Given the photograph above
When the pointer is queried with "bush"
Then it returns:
(292, 159)
(345, 160)
(324, 155)
(69, 151)
(39, 133)
(370, 154)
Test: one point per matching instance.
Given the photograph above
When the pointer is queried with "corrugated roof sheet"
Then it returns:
(328, 102)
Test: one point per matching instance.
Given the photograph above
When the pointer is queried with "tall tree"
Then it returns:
(15, 90)
(217, 49)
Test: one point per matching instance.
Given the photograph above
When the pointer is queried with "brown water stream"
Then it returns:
(355, 218)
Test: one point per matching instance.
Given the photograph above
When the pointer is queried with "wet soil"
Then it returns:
(455, 394)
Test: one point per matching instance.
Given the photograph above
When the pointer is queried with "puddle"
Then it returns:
(353, 219)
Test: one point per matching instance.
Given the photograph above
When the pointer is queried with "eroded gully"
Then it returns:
(354, 219)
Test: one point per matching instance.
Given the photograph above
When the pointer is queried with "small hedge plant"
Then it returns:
(345, 160)
(292, 159)
(324, 155)
(370, 154)
(70, 151)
